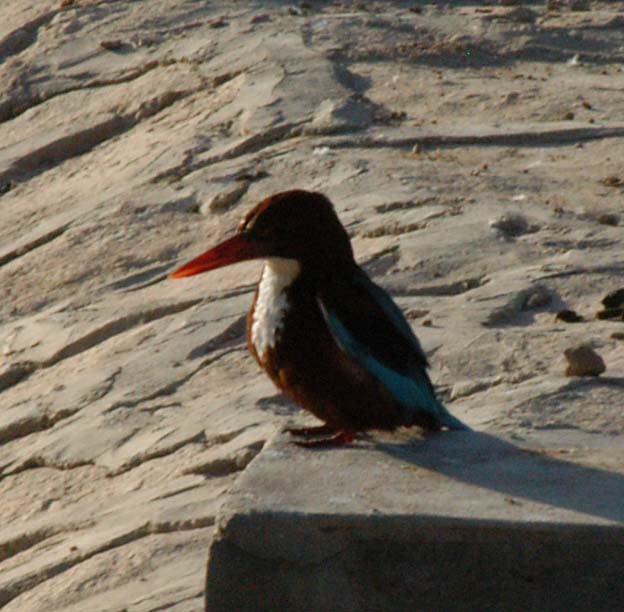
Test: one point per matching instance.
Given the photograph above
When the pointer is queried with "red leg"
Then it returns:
(339, 438)
(316, 430)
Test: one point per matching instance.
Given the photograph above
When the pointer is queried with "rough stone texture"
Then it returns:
(133, 134)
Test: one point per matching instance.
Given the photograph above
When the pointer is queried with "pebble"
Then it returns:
(568, 316)
(510, 224)
(614, 299)
(611, 313)
(583, 361)
(608, 219)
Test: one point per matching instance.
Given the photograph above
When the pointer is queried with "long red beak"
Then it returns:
(234, 249)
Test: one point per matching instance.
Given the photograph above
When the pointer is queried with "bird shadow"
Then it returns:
(489, 462)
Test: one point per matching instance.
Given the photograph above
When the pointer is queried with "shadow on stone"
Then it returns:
(457, 521)
(485, 461)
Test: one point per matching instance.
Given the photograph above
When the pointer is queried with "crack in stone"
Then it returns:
(23, 37)
(447, 289)
(45, 238)
(225, 466)
(21, 371)
(252, 144)
(30, 581)
(24, 541)
(158, 453)
(29, 425)
(41, 462)
(15, 105)
(45, 421)
(14, 373)
(171, 387)
(116, 327)
(616, 267)
(537, 138)
(84, 140)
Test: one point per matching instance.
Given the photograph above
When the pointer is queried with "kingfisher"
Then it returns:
(329, 338)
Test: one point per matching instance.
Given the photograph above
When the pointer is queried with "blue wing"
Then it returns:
(368, 326)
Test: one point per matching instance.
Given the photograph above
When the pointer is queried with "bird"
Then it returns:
(330, 339)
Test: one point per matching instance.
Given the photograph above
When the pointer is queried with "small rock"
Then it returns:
(111, 45)
(218, 22)
(521, 14)
(568, 316)
(583, 361)
(612, 181)
(426, 322)
(608, 219)
(509, 2)
(617, 335)
(415, 313)
(579, 5)
(6, 186)
(611, 313)
(261, 18)
(568, 116)
(513, 224)
(614, 299)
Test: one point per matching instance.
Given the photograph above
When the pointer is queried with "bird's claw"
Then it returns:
(316, 430)
(339, 438)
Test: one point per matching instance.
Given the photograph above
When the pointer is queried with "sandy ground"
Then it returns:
(473, 150)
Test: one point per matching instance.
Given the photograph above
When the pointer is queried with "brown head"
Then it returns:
(296, 224)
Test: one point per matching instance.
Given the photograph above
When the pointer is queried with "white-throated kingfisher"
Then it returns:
(330, 338)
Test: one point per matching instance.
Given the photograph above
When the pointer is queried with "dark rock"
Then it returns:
(218, 22)
(513, 224)
(568, 316)
(521, 14)
(611, 313)
(583, 361)
(260, 18)
(608, 219)
(112, 45)
(614, 299)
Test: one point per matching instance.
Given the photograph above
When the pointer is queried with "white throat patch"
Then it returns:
(268, 317)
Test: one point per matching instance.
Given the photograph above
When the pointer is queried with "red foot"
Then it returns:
(316, 430)
(339, 438)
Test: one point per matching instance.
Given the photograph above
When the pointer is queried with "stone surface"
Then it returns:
(136, 133)
(457, 521)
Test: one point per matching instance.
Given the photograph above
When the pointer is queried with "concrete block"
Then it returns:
(455, 521)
